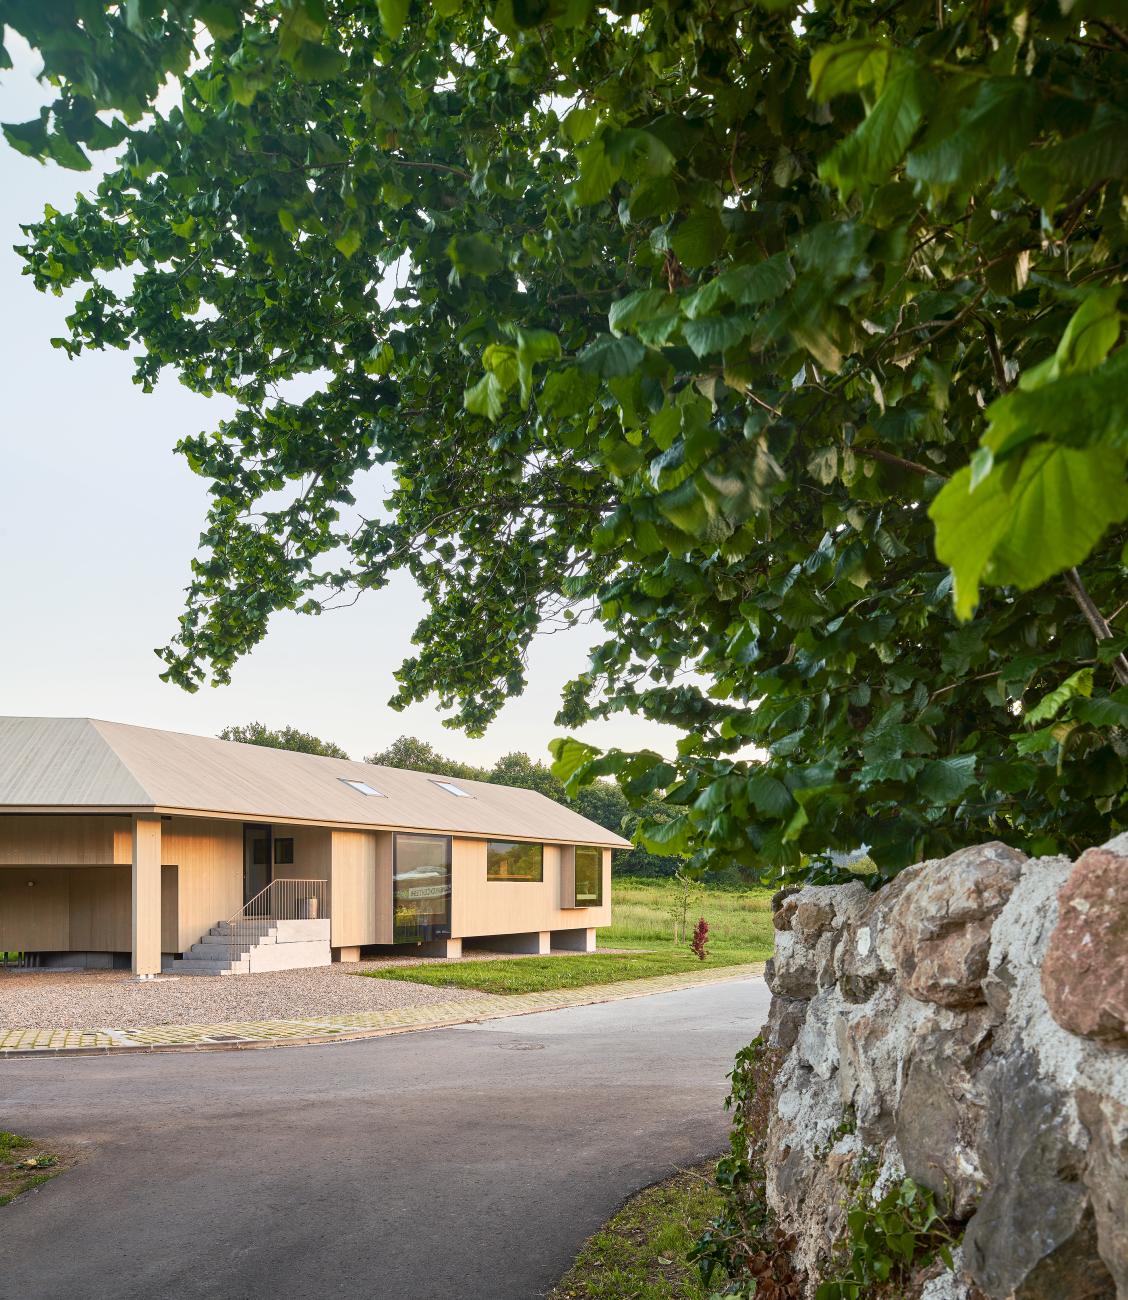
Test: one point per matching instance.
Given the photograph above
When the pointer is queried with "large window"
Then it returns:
(589, 876)
(512, 860)
(421, 888)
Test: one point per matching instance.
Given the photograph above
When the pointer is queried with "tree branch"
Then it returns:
(888, 458)
(1095, 619)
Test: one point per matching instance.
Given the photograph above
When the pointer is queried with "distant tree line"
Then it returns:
(601, 802)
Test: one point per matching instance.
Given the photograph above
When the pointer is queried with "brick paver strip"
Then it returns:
(344, 1028)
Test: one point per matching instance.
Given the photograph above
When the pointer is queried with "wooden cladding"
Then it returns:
(70, 841)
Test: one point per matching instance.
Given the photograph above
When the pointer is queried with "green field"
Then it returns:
(738, 918)
(740, 930)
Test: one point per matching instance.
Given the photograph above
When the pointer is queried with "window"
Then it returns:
(513, 860)
(452, 789)
(421, 888)
(284, 853)
(589, 876)
(362, 787)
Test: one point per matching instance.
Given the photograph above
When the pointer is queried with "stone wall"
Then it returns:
(966, 1025)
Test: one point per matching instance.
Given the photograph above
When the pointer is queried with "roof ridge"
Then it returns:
(96, 725)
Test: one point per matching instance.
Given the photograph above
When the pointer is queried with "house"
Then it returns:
(127, 846)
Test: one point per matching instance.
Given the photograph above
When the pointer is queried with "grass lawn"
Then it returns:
(537, 974)
(639, 1254)
(740, 930)
(17, 1172)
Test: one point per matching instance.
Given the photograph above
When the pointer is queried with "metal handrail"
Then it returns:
(281, 900)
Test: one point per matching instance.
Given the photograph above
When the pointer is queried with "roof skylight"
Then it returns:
(362, 787)
(451, 788)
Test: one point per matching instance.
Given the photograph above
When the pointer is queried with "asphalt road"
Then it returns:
(467, 1163)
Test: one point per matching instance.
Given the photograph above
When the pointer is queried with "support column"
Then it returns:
(574, 940)
(146, 894)
(347, 954)
(451, 948)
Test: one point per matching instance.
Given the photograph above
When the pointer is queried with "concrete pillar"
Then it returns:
(574, 940)
(451, 948)
(348, 954)
(536, 942)
(146, 894)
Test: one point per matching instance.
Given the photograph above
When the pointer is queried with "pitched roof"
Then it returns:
(83, 764)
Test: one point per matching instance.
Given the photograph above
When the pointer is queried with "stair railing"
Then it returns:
(281, 900)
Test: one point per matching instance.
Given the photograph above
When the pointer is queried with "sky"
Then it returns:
(99, 519)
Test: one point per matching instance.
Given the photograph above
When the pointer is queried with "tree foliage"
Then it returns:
(601, 801)
(255, 733)
(785, 341)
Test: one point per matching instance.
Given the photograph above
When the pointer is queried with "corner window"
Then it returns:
(362, 787)
(513, 860)
(451, 788)
(284, 853)
(589, 876)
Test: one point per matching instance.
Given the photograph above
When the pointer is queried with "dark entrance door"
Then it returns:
(256, 860)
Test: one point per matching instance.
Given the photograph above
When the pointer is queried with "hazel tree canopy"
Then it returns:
(785, 341)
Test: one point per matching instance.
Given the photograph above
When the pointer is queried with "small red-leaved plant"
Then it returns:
(700, 939)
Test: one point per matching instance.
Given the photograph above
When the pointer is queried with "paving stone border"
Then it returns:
(310, 1030)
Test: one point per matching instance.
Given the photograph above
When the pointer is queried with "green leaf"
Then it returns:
(943, 780)
(534, 346)
(700, 239)
(317, 62)
(1026, 522)
(1091, 333)
(393, 16)
(712, 334)
(486, 397)
(964, 145)
(1049, 706)
(610, 357)
(475, 255)
(878, 145)
(569, 756)
(769, 795)
(348, 242)
(641, 305)
(849, 65)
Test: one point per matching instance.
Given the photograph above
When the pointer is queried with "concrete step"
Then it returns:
(185, 967)
(206, 950)
(252, 928)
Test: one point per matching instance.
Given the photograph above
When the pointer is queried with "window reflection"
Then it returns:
(421, 888)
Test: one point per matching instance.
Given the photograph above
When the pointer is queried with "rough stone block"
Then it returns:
(941, 924)
(1085, 973)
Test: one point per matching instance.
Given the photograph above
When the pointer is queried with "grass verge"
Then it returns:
(23, 1166)
(640, 1253)
(540, 974)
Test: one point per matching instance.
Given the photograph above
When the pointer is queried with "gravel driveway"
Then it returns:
(113, 999)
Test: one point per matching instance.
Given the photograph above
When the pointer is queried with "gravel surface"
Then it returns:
(114, 1000)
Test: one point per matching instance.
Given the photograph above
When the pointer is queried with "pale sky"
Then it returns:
(99, 520)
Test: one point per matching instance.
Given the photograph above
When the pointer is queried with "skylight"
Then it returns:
(452, 789)
(362, 787)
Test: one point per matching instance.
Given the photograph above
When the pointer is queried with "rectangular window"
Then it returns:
(284, 853)
(589, 876)
(362, 787)
(513, 860)
(451, 788)
(421, 888)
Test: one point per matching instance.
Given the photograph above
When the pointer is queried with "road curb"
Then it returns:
(612, 993)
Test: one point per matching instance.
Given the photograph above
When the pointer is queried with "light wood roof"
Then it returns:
(82, 764)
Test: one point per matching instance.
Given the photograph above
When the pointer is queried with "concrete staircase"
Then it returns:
(264, 945)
